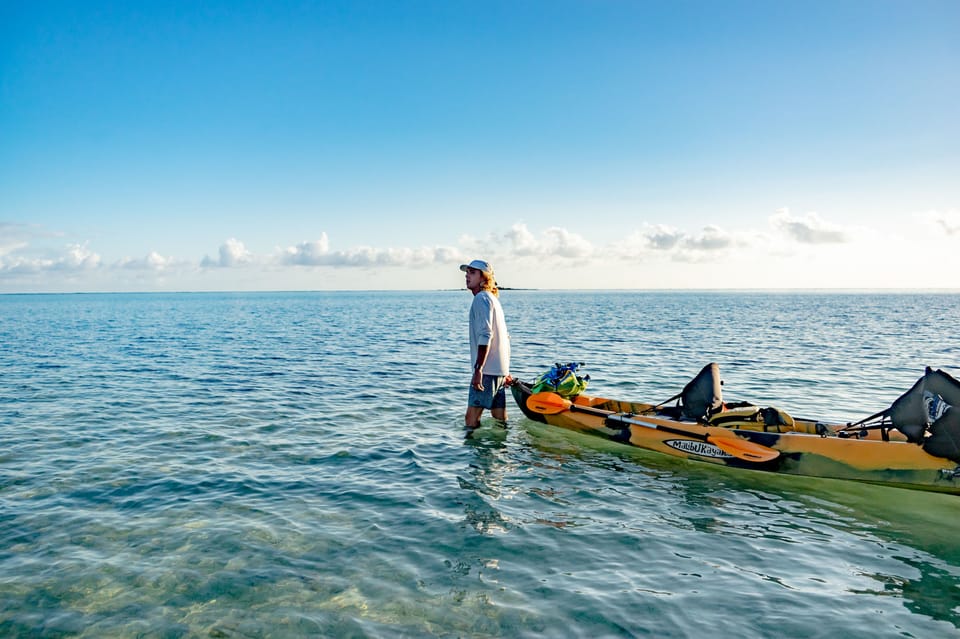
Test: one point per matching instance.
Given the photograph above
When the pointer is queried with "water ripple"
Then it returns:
(244, 465)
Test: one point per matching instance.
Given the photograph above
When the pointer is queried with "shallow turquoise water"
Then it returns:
(287, 465)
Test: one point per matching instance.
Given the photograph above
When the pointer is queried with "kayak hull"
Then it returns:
(802, 452)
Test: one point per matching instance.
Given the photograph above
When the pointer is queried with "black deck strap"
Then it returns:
(664, 402)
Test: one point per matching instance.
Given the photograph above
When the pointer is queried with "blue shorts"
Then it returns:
(493, 395)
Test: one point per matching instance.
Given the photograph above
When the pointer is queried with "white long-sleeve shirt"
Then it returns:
(488, 328)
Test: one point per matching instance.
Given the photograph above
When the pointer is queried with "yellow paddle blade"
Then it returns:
(743, 449)
(547, 403)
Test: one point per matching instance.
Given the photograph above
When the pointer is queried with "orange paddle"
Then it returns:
(551, 404)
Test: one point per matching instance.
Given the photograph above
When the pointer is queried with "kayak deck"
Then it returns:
(809, 448)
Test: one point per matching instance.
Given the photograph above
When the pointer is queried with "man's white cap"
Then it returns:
(480, 265)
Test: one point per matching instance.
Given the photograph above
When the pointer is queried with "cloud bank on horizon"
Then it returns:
(32, 258)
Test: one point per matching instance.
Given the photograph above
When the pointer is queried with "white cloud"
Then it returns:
(563, 243)
(810, 229)
(712, 243)
(947, 221)
(307, 253)
(318, 253)
(232, 253)
(659, 241)
(711, 238)
(152, 261)
(523, 243)
(660, 237)
(15, 237)
(12, 238)
(8, 245)
(519, 242)
(75, 258)
(656, 252)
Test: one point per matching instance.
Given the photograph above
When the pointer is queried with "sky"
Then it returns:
(575, 144)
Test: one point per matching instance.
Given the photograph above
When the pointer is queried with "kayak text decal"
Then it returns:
(697, 448)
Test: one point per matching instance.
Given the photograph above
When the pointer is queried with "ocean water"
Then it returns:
(294, 465)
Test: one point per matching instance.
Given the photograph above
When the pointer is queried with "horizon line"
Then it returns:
(834, 290)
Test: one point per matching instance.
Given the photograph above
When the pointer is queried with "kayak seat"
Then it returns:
(670, 412)
(914, 412)
(745, 416)
(944, 439)
(702, 396)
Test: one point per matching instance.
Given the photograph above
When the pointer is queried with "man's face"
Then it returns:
(474, 279)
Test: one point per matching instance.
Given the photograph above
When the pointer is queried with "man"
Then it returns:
(489, 346)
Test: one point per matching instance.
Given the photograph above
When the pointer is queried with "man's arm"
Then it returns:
(477, 380)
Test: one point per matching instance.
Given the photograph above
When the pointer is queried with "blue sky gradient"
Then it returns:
(584, 144)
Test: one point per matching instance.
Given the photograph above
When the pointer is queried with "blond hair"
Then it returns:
(489, 284)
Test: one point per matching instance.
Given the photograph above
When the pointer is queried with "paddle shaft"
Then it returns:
(620, 419)
(743, 449)
(667, 429)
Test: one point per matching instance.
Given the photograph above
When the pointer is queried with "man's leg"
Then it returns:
(473, 416)
(498, 407)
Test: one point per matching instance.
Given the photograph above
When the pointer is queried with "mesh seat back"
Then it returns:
(702, 395)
